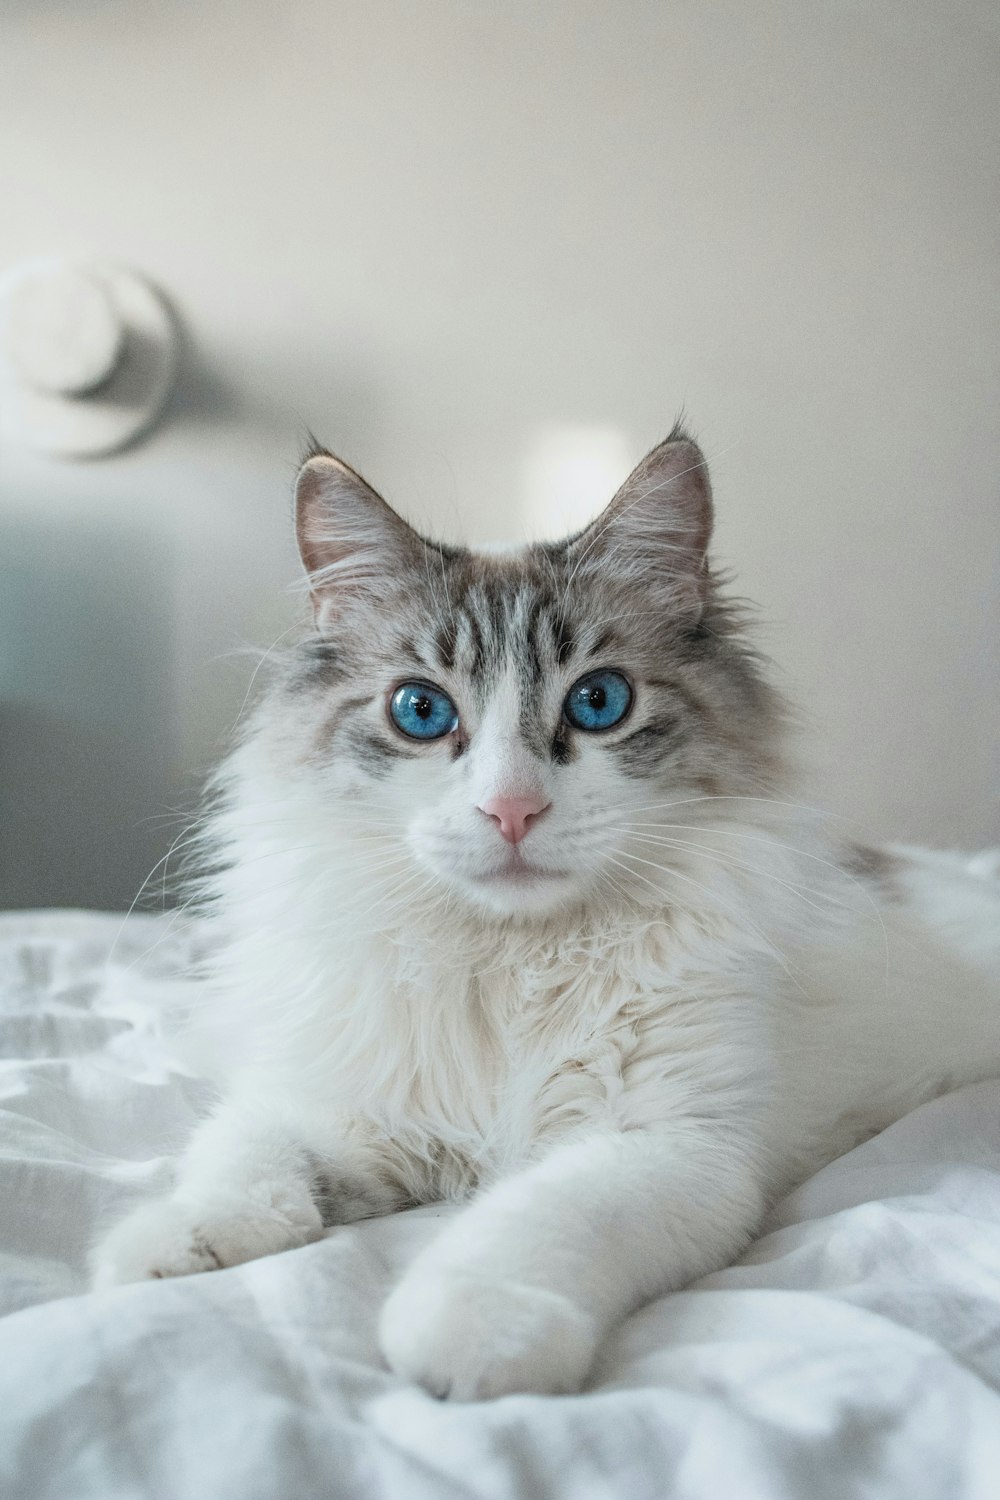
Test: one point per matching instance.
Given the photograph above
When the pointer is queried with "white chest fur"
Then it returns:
(472, 1057)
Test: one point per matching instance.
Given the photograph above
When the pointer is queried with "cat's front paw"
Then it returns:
(173, 1238)
(470, 1338)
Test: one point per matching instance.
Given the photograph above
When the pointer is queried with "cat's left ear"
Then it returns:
(351, 541)
(657, 528)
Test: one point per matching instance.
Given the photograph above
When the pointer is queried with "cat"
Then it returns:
(514, 903)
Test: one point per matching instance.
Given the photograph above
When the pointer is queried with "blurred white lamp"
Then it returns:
(88, 353)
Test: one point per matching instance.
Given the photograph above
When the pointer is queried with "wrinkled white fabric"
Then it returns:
(854, 1351)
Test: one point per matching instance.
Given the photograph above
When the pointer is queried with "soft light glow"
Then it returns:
(571, 472)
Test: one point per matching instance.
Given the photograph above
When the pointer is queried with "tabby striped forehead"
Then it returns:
(495, 624)
(469, 625)
(472, 618)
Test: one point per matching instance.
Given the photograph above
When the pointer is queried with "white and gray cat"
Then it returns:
(514, 904)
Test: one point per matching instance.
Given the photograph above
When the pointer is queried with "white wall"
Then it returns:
(430, 232)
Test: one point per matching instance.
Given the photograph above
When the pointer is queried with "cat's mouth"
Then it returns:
(519, 872)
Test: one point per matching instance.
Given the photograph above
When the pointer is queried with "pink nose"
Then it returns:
(513, 815)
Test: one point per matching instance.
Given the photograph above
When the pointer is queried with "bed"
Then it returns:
(853, 1351)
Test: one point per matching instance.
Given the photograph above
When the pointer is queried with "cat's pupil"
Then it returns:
(597, 697)
(423, 706)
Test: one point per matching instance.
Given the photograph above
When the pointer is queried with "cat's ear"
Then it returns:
(657, 528)
(350, 540)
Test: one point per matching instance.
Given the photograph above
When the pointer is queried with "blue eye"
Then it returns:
(423, 712)
(598, 701)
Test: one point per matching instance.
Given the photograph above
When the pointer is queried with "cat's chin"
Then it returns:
(520, 892)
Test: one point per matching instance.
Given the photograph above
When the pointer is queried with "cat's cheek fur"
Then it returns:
(468, 1338)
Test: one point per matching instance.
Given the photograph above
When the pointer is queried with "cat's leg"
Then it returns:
(246, 1186)
(242, 1189)
(518, 1292)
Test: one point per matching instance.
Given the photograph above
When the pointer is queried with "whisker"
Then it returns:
(401, 885)
(839, 870)
(741, 917)
(731, 862)
(818, 812)
(296, 625)
(163, 860)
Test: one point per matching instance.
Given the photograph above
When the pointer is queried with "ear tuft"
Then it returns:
(313, 448)
(679, 433)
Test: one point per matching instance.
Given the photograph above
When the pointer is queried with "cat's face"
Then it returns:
(506, 723)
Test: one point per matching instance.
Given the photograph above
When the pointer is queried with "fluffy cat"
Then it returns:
(514, 903)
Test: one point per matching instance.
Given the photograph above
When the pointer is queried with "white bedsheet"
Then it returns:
(855, 1351)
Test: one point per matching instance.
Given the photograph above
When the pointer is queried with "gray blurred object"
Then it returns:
(87, 717)
(88, 354)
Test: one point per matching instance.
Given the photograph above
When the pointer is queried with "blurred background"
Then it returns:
(487, 252)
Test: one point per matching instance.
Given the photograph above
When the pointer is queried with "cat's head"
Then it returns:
(506, 723)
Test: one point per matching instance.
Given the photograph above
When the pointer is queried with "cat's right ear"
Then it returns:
(350, 540)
